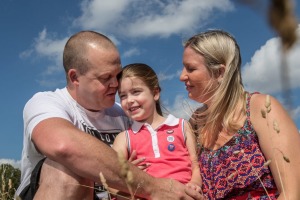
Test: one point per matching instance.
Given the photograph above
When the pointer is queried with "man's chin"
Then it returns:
(109, 104)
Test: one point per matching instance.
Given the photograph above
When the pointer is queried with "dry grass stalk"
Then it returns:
(283, 20)
(104, 183)
(5, 191)
(138, 186)
(276, 128)
(267, 163)
(10, 186)
(126, 173)
(254, 170)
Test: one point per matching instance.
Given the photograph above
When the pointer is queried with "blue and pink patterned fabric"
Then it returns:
(236, 171)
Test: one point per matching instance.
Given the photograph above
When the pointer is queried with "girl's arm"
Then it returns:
(120, 145)
(191, 144)
(279, 140)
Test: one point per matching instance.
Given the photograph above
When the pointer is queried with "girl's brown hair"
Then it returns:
(144, 73)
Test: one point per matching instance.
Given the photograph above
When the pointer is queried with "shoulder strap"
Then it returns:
(181, 123)
(248, 98)
(128, 142)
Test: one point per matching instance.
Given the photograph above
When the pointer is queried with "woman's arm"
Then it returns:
(279, 140)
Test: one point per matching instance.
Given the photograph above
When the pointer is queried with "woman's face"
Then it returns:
(199, 82)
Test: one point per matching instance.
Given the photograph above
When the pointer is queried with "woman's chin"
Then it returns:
(196, 98)
(193, 97)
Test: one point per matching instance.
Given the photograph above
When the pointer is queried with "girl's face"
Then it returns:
(137, 100)
(198, 80)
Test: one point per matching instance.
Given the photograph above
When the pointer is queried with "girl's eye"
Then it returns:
(136, 92)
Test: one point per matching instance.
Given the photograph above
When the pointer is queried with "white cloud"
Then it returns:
(167, 76)
(14, 163)
(295, 114)
(100, 14)
(46, 45)
(131, 52)
(128, 19)
(26, 53)
(148, 18)
(264, 72)
(164, 76)
(175, 17)
(182, 107)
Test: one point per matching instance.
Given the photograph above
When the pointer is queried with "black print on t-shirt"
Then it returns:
(106, 136)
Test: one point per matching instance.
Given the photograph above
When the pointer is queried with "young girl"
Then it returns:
(166, 145)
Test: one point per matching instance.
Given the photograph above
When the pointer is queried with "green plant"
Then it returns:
(10, 180)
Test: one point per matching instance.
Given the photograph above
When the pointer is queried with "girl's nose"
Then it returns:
(130, 99)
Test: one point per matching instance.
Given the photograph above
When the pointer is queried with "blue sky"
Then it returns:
(33, 34)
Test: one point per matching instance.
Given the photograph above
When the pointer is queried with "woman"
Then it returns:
(249, 144)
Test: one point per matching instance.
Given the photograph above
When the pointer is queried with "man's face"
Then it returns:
(97, 88)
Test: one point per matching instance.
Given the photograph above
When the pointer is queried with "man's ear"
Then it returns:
(72, 75)
(221, 72)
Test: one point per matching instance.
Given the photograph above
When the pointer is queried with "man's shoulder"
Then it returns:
(47, 95)
(46, 98)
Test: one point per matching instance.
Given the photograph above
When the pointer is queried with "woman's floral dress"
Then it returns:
(237, 170)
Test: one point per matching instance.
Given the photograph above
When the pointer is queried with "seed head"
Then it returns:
(267, 163)
(268, 101)
(103, 180)
(236, 152)
(276, 126)
(286, 159)
(10, 185)
(263, 113)
(231, 175)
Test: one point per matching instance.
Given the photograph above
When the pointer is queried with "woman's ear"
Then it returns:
(221, 72)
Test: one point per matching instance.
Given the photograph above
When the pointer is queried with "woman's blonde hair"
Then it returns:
(219, 48)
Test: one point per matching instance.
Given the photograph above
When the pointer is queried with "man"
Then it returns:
(56, 123)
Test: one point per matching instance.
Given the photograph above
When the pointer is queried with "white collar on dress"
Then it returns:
(170, 121)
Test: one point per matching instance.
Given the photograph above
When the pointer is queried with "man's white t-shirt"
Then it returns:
(104, 125)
